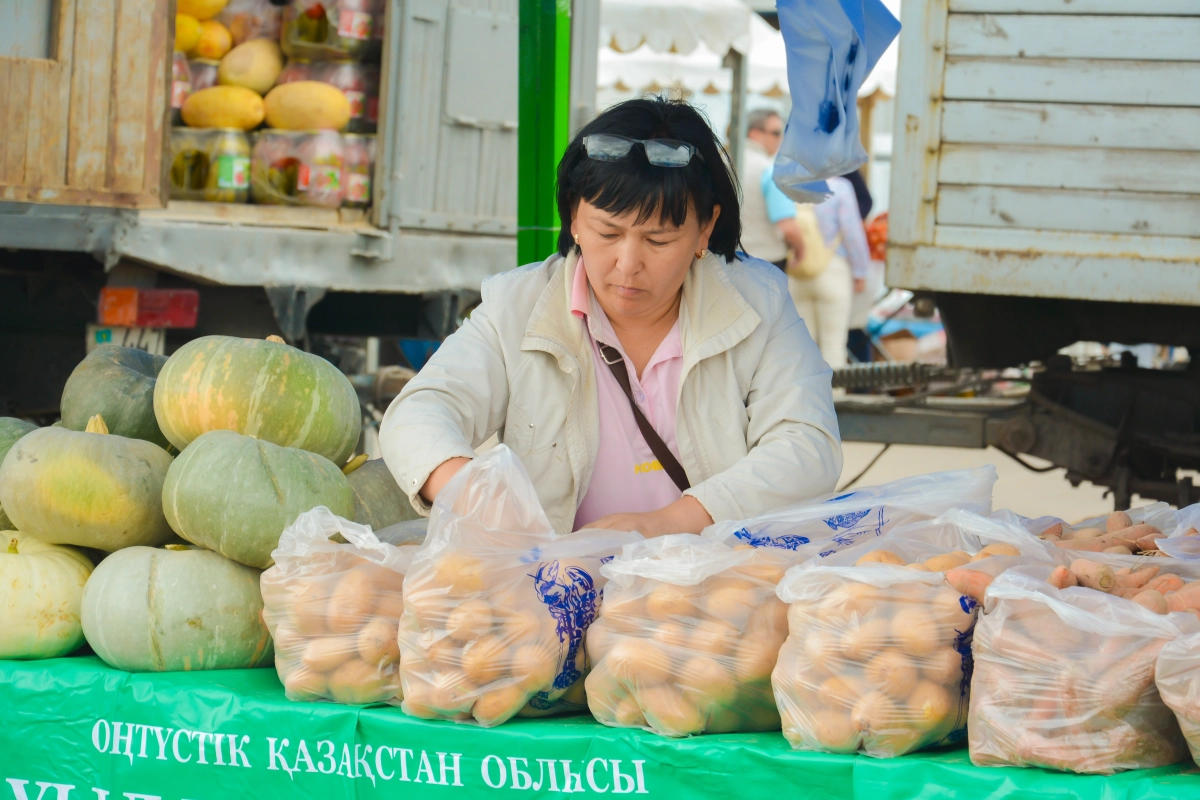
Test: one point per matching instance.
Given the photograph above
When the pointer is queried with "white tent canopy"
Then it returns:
(675, 26)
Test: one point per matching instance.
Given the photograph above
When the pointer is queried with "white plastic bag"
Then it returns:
(1184, 541)
(333, 609)
(687, 637)
(831, 48)
(841, 520)
(495, 605)
(1177, 676)
(1064, 679)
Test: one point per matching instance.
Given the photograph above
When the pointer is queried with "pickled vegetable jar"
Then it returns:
(296, 69)
(251, 19)
(328, 28)
(181, 85)
(300, 168)
(211, 165)
(360, 84)
(358, 169)
(204, 73)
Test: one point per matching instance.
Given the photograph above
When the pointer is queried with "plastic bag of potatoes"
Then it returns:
(495, 605)
(843, 520)
(878, 655)
(1177, 676)
(687, 637)
(1064, 679)
(333, 608)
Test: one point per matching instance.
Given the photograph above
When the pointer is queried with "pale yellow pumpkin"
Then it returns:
(41, 591)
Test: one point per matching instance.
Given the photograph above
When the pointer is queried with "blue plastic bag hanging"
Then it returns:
(832, 45)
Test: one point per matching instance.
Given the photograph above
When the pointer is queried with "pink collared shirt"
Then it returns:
(627, 477)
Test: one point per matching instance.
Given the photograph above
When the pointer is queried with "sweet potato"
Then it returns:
(880, 557)
(1082, 533)
(1061, 578)
(1165, 584)
(970, 582)
(1150, 541)
(1117, 520)
(1054, 530)
(1119, 549)
(1191, 532)
(1135, 579)
(1092, 575)
(1148, 598)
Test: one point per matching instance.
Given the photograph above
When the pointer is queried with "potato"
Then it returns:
(306, 608)
(670, 635)
(485, 660)
(377, 642)
(351, 603)
(576, 694)
(289, 644)
(801, 616)
(705, 683)
(389, 603)
(997, 549)
(947, 609)
(873, 713)
(535, 664)
(824, 650)
(861, 641)
(356, 682)
(498, 705)
(519, 625)
(470, 620)
(668, 712)
(948, 561)
(732, 606)
(930, 705)
(459, 573)
(667, 601)
(626, 713)
(841, 692)
(835, 731)
(893, 673)
(714, 638)
(754, 660)
(916, 632)
(329, 652)
(851, 600)
(305, 684)
(943, 667)
(638, 663)
(452, 694)
(880, 557)
(443, 651)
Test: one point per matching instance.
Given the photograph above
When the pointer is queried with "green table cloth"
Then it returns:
(74, 729)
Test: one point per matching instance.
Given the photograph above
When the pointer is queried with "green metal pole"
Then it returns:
(545, 80)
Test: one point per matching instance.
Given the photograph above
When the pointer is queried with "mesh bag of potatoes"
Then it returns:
(878, 654)
(496, 606)
(333, 606)
(687, 637)
(1177, 676)
(1065, 679)
(843, 520)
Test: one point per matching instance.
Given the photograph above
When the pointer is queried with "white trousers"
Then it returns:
(824, 304)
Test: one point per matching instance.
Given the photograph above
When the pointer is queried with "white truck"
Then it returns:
(84, 157)
(1046, 190)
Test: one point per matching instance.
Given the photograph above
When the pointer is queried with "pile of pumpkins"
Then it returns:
(177, 475)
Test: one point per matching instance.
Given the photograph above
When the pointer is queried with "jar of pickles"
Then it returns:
(298, 168)
(211, 165)
(328, 28)
(181, 85)
(251, 19)
(358, 169)
(204, 73)
(296, 69)
(360, 84)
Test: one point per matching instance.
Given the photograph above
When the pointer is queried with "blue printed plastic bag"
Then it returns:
(831, 48)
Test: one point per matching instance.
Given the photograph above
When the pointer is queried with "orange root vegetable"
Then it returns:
(1148, 598)
(1119, 549)
(1165, 584)
(1192, 532)
(1061, 578)
(998, 549)
(1117, 520)
(880, 557)
(1150, 541)
(946, 562)
(1135, 579)
(970, 582)
(1054, 530)
(1051, 537)
(1082, 533)
(1092, 575)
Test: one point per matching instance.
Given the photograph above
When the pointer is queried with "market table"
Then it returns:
(74, 729)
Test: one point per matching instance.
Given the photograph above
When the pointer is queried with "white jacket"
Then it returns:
(755, 422)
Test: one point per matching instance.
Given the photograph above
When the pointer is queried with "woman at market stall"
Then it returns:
(649, 376)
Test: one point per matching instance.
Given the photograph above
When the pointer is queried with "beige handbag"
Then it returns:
(817, 252)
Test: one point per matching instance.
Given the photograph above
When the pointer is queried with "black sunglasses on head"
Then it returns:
(659, 152)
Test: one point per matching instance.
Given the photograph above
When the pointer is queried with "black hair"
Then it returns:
(634, 183)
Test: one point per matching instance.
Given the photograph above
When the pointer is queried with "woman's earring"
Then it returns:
(700, 253)
(577, 240)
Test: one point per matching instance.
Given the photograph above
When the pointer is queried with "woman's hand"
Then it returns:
(440, 476)
(685, 515)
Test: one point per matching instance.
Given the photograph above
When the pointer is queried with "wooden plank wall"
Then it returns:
(1066, 122)
(88, 126)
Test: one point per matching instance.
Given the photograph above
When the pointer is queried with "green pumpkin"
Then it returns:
(11, 429)
(118, 384)
(175, 609)
(378, 501)
(260, 388)
(235, 495)
(86, 488)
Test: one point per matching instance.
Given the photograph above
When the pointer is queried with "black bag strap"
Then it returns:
(670, 464)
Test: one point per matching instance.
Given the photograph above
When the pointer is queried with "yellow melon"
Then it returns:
(307, 105)
(223, 107)
(253, 65)
(201, 9)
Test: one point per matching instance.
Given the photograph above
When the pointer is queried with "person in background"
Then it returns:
(768, 216)
(824, 301)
